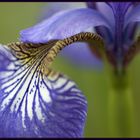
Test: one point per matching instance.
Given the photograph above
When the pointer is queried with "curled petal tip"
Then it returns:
(63, 24)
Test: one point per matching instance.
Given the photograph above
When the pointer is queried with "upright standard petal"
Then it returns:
(119, 7)
(64, 24)
(37, 104)
(120, 10)
(107, 12)
(133, 16)
(104, 9)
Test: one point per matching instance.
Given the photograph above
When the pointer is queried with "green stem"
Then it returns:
(120, 106)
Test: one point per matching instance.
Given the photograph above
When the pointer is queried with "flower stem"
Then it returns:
(120, 106)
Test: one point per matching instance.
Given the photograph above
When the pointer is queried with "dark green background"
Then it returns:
(93, 82)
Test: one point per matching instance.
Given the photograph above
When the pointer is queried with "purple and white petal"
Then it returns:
(64, 24)
(35, 105)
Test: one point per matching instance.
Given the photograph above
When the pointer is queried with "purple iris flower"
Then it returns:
(38, 102)
(115, 22)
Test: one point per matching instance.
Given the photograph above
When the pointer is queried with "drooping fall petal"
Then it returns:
(33, 104)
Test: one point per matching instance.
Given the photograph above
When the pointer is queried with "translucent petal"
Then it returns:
(64, 24)
(33, 104)
(54, 7)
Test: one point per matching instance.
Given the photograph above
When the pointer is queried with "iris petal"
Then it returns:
(133, 16)
(64, 24)
(107, 12)
(35, 105)
(104, 8)
(121, 7)
(4, 58)
(81, 56)
(72, 53)
(130, 34)
(55, 7)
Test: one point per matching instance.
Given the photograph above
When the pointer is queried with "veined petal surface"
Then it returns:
(80, 55)
(33, 104)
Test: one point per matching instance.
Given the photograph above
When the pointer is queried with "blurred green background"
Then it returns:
(93, 82)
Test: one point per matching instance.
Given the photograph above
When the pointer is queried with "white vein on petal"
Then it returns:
(26, 92)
